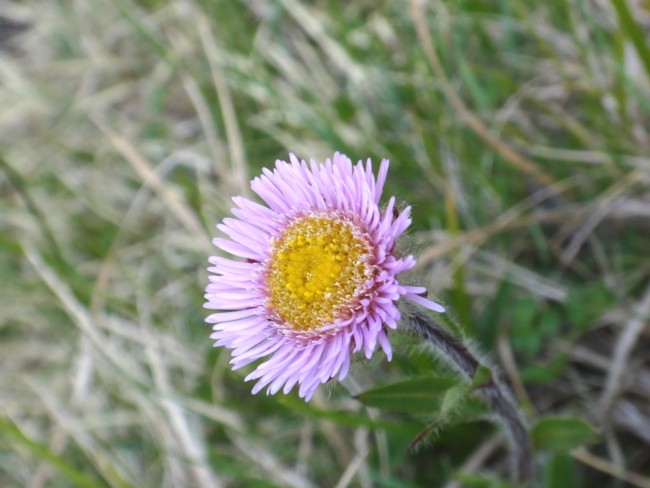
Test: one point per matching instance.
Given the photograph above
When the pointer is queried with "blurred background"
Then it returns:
(518, 131)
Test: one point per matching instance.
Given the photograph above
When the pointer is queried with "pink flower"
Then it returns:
(319, 277)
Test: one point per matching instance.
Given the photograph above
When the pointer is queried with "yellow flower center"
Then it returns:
(318, 266)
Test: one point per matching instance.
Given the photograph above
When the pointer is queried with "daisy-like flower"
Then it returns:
(315, 274)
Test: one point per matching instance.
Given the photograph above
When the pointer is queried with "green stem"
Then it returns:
(496, 395)
(634, 32)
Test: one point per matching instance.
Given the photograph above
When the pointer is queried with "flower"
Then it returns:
(319, 277)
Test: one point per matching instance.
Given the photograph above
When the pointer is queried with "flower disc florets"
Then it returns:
(319, 277)
(319, 268)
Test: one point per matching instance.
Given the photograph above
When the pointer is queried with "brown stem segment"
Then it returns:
(495, 394)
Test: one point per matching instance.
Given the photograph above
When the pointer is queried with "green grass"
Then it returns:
(517, 130)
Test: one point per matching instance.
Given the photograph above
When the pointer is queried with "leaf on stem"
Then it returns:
(561, 434)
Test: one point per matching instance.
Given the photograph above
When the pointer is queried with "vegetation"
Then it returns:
(518, 130)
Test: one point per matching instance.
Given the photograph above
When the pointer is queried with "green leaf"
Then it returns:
(457, 407)
(457, 395)
(45, 454)
(400, 339)
(524, 336)
(545, 373)
(560, 472)
(597, 295)
(349, 418)
(478, 481)
(418, 395)
(561, 434)
(452, 402)
(452, 399)
(482, 377)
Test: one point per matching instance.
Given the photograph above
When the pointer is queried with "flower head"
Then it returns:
(319, 277)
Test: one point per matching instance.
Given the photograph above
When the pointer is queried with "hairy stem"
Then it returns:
(495, 394)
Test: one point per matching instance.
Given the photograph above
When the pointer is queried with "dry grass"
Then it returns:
(519, 133)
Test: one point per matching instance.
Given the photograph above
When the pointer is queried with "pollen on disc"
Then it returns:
(317, 269)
